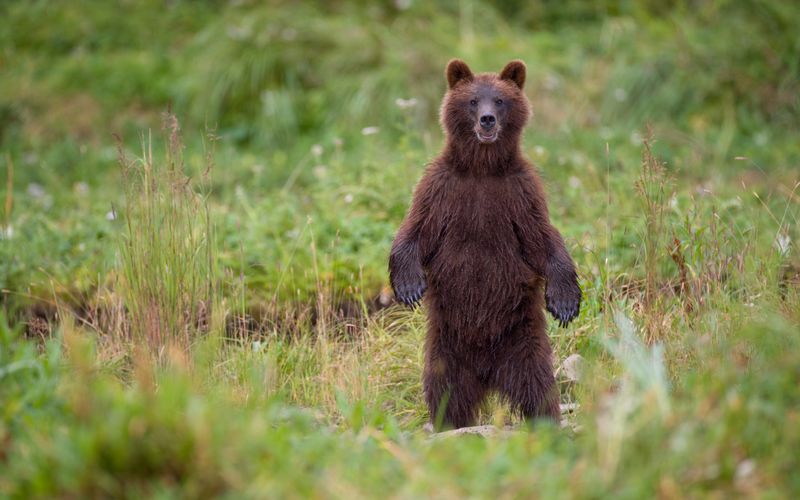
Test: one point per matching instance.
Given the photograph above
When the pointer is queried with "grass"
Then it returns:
(189, 314)
(167, 249)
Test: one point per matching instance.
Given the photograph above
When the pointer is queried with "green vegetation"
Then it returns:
(199, 310)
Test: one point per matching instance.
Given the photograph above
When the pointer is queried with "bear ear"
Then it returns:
(514, 71)
(457, 70)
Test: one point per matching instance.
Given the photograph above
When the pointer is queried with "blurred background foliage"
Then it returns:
(327, 111)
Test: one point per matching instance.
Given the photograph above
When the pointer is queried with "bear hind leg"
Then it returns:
(452, 392)
(525, 376)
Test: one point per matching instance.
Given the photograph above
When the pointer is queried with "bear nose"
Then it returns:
(487, 121)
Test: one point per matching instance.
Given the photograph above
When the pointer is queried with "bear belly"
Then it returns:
(480, 287)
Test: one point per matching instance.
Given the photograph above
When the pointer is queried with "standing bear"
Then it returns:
(478, 239)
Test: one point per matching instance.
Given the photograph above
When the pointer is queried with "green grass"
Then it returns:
(206, 317)
(166, 255)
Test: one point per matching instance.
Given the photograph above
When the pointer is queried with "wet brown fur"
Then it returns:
(478, 238)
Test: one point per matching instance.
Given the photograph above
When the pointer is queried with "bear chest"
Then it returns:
(481, 213)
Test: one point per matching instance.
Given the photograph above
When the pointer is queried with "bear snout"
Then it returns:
(488, 121)
(487, 135)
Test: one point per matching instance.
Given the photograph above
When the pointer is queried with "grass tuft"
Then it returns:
(166, 251)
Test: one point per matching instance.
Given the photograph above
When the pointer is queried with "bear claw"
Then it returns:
(410, 295)
(563, 310)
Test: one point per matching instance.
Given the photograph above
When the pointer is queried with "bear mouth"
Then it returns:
(487, 137)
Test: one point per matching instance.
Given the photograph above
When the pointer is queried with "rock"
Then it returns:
(478, 430)
(385, 297)
(572, 368)
(569, 408)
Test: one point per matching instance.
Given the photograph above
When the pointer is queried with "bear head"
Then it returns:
(486, 109)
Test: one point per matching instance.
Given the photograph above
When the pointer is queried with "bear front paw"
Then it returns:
(563, 302)
(410, 292)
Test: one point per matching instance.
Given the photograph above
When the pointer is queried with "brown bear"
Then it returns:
(478, 238)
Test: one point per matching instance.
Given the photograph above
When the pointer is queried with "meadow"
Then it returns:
(199, 200)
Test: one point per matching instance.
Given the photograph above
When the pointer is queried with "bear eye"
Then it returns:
(498, 102)
(473, 102)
